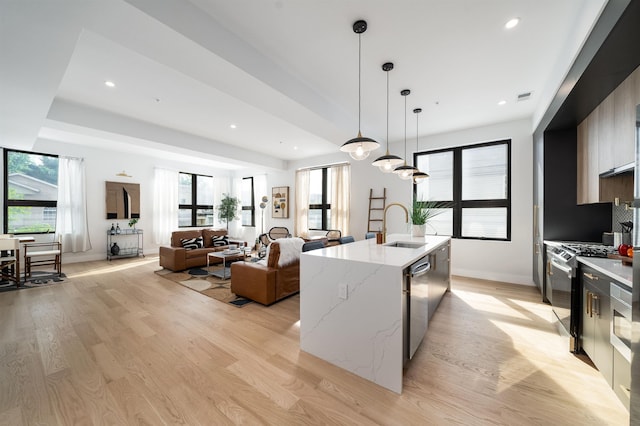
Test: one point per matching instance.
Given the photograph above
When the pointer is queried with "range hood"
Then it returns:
(627, 168)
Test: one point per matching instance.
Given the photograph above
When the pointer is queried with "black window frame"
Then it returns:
(194, 206)
(324, 206)
(22, 203)
(252, 206)
(458, 204)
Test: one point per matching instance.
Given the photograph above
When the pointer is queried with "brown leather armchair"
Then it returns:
(267, 283)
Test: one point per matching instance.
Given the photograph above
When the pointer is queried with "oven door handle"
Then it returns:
(567, 269)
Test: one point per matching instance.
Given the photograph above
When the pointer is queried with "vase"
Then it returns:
(115, 249)
(418, 230)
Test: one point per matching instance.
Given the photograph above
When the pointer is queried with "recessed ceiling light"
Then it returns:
(502, 102)
(511, 23)
(109, 83)
(233, 126)
(295, 148)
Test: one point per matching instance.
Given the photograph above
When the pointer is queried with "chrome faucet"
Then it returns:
(384, 219)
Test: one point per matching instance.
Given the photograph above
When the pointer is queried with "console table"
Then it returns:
(130, 241)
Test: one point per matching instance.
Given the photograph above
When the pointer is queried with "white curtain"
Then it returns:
(301, 222)
(260, 190)
(340, 197)
(71, 217)
(235, 226)
(165, 205)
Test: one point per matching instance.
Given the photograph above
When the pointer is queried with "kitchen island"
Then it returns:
(352, 304)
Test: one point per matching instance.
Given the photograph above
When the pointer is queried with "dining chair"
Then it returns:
(313, 245)
(369, 235)
(9, 262)
(347, 239)
(40, 254)
(279, 232)
(264, 239)
(333, 235)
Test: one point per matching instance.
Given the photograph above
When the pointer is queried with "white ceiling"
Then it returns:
(285, 72)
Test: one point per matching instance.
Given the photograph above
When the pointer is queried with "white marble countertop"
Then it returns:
(610, 267)
(368, 251)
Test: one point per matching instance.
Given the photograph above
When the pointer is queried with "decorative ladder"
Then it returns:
(374, 209)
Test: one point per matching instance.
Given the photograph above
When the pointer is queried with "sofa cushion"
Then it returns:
(219, 240)
(176, 236)
(207, 235)
(198, 253)
(192, 243)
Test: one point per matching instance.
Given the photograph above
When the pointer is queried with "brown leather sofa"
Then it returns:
(177, 258)
(268, 283)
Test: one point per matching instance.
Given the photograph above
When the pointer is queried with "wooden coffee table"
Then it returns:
(225, 272)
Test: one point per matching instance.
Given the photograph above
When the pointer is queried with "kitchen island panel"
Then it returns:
(362, 333)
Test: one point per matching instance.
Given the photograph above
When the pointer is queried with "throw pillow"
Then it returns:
(192, 243)
(219, 240)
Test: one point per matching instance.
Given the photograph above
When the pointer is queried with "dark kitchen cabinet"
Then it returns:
(622, 378)
(596, 320)
(556, 215)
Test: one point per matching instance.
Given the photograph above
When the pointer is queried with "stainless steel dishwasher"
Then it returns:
(416, 305)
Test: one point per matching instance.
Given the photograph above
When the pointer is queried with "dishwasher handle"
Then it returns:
(420, 268)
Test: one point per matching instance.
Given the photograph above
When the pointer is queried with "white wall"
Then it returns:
(102, 165)
(508, 261)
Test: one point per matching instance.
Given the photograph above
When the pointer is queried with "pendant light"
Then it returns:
(418, 176)
(359, 147)
(387, 162)
(405, 172)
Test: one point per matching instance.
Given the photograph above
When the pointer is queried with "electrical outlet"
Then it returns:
(343, 291)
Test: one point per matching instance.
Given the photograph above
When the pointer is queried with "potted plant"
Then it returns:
(228, 209)
(132, 223)
(421, 213)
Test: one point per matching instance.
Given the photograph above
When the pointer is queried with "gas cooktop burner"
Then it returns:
(590, 250)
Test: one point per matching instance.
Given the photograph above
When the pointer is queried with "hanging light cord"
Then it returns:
(359, 84)
(417, 143)
(405, 130)
(387, 112)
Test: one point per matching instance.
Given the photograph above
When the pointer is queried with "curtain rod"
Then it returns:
(323, 166)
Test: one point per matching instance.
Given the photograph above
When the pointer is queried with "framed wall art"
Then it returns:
(280, 204)
(123, 200)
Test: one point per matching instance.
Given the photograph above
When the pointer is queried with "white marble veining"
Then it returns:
(610, 267)
(361, 333)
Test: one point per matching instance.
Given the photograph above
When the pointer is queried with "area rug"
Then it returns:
(199, 280)
(37, 279)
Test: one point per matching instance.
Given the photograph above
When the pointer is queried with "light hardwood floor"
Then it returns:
(117, 344)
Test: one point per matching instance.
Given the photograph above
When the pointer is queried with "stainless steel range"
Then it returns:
(561, 284)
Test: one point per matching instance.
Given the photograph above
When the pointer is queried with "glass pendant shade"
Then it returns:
(405, 172)
(419, 176)
(359, 147)
(388, 162)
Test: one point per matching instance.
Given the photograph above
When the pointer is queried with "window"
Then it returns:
(320, 198)
(473, 185)
(31, 192)
(248, 204)
(195, 200)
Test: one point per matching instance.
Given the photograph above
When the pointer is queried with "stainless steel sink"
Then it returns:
(405, 244)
